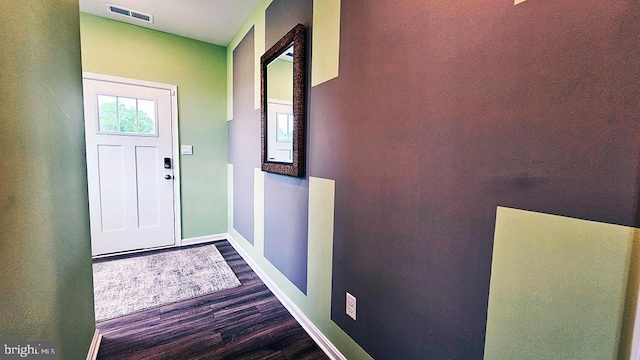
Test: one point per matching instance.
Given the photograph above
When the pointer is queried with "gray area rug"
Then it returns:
(125, 286)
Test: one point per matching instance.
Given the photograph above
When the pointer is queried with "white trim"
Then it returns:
(635, 339)
(323, 342)
(204, 239)
(95, 345)
(127, 81)
(177, 204)
(280, 102)
(175, 139)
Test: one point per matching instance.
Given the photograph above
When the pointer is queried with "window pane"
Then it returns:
(291, 127)
(146, 116)
(284, 133)
(127, 115)
(107, 115)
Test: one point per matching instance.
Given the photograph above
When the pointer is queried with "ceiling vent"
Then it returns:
(130, 13)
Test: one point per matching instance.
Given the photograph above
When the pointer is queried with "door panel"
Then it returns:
(111, 183)
(148, 178)
(128, 135)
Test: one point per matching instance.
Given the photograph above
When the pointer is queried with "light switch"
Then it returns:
(186, 149)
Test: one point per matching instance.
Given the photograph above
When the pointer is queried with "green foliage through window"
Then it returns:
(284, 133)
(126, 115)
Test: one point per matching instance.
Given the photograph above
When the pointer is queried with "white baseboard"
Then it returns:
(315, 333)
(95, 345)
(203, 239)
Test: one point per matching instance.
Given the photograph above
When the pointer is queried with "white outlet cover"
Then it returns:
(351, 306)
(186, 149)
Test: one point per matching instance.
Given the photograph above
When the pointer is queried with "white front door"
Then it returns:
(129, 166)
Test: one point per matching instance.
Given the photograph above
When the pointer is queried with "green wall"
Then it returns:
(199, 70)
(280, 84)
(45, 254)
(558, 287)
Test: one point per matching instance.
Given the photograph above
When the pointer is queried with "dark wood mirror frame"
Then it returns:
(295, 37)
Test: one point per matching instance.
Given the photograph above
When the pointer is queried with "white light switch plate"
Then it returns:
(186, 149)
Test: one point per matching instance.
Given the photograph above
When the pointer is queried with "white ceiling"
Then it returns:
(212, 21)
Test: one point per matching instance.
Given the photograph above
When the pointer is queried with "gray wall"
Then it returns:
(286, 199)
(243, 129)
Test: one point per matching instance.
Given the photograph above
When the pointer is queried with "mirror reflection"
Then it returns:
(282, 97)
(279, 114)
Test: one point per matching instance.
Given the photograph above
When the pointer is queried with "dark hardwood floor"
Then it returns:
(247, 322)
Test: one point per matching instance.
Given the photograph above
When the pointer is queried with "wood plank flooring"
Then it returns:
(247, 322)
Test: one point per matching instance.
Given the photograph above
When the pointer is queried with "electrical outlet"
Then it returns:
(351, 306)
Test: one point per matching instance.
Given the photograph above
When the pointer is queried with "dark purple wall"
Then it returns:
(244, 137)
(444, 110)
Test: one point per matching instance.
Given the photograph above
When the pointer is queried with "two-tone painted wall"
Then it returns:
(440, 134)
(199, 70)
(46, 291)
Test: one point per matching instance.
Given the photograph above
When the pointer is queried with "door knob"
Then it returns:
(168, 177)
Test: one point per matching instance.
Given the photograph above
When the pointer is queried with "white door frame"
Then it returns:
(177, 221)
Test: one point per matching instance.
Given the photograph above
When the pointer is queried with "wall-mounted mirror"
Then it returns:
(283, 87)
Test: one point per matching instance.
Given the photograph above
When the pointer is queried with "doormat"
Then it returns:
(133, 284)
